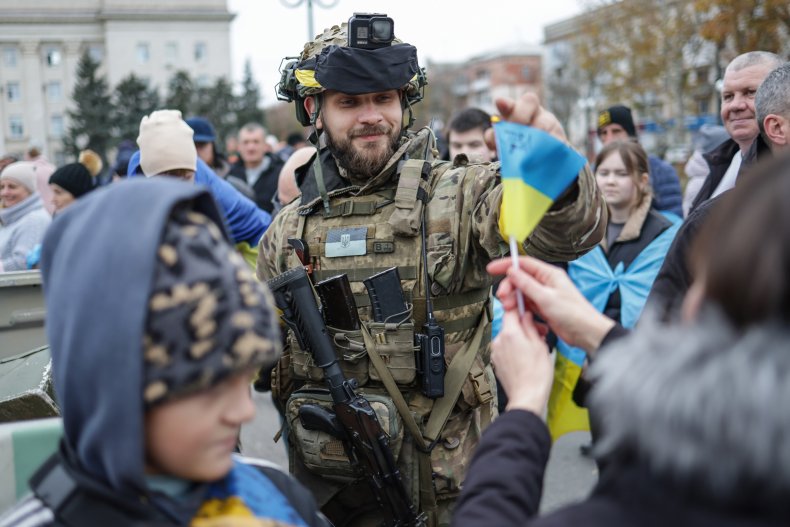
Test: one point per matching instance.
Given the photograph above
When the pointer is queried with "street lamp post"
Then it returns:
(326, 4)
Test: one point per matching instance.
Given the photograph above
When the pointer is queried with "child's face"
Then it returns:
(193, 437)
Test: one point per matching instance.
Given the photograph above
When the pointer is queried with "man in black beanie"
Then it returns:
(617, 124)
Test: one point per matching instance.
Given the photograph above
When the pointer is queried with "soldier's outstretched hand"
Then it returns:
(527, 110)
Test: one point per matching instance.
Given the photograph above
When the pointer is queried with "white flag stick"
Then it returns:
(514, 256)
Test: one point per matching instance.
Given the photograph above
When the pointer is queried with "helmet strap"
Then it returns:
(406, 107)
(315, 140)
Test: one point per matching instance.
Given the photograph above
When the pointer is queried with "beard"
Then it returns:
(368, 160)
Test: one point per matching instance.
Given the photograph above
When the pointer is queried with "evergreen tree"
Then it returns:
(216, 103)
(90, 120)
(247, 110)
(180, 93)
(132, 99)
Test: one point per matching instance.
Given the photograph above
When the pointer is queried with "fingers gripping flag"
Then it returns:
(536, 168)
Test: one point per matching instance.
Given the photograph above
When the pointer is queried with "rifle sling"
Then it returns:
(393, 391)
(457, 373)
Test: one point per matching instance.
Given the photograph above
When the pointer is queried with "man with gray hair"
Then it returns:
(257, 166)
(741, 79)
(772, 104)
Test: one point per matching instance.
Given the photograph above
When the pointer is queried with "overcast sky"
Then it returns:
(265, 31)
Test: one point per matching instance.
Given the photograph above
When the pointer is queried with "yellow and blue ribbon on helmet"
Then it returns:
(306, 78)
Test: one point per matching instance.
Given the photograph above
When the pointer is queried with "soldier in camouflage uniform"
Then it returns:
(364, 200)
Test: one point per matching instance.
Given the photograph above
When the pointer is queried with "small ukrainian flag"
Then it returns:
(536, 168)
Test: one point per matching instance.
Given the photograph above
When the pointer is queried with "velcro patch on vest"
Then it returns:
(383, 247)
(348, 241)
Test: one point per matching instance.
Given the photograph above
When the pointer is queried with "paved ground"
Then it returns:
(569, 476)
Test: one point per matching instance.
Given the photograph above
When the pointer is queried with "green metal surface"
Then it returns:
(26, 390)
(22, 312)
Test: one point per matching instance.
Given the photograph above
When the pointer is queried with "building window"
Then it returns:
(53, 56)
(200, 52)
(526, 72)
(56, 126)
(96, 53)
(171, 52)
(143, 53)
(10, 57)
(54, 91)
(203, 81)
(13, 92)
(16, 127)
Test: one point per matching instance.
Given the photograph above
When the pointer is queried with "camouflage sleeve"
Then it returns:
(273, 249)
(563, 234)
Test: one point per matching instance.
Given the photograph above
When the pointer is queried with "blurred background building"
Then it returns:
(41, 42)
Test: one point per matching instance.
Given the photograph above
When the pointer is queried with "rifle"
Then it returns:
(352, 420)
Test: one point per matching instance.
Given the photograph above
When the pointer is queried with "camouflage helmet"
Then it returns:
(300, 77)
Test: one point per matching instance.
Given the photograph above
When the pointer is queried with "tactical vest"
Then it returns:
(356, 237)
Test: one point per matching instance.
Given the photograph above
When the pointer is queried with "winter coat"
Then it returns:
(666, 186)
(719, 160)
(22, 227)
(674, 277)
(643, 226)
(265, 186)
(689, 439)
(93, 503)
(620, 289)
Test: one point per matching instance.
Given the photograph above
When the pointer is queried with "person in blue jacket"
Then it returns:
(165, 139)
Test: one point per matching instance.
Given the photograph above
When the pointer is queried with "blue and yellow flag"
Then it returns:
(536, 169)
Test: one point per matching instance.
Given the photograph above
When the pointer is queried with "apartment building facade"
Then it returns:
(41, 42)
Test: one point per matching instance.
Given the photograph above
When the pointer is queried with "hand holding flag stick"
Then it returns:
(536, 168)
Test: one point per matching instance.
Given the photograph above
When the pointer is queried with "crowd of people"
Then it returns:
(671, 332)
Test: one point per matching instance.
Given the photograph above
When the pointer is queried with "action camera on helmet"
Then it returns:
(370, 30)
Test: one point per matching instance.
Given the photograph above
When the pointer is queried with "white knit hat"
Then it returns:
(24, 172)
(165, 142)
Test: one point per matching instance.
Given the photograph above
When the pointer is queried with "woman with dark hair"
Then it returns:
(695, 430)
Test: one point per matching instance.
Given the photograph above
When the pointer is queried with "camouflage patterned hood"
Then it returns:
(98, 267)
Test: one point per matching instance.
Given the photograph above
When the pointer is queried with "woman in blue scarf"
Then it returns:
(616, 276)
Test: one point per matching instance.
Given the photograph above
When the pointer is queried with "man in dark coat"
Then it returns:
(257, 166)
(742, 78)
